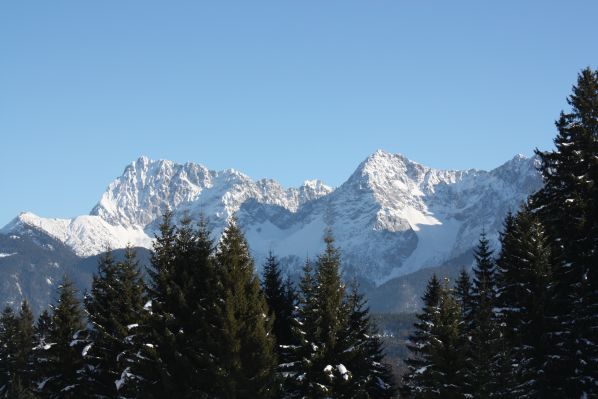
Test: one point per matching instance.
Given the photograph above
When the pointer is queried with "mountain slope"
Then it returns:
(391, 217)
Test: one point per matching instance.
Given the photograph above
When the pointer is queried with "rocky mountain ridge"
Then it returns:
(391, 217)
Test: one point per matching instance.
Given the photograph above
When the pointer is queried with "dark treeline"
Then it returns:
(202, 326)
(525, 324)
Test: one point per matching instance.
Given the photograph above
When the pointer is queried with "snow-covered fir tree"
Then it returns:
(115, 309)
(244, 351)
(568, 208)
(319, 368)
(463, 296)
(338, 354)
(280, 297)
(23, 378)
(8, 347)
(370, 376)
(485, 326)
(62, 372)
(524, 275)
(177, 357)
(437, 357)
(417, 381)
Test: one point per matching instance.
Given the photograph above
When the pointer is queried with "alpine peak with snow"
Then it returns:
(391, 217)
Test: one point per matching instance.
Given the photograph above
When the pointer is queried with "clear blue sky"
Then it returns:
(284, 89)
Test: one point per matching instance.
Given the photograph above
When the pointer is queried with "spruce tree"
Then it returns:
(280, 299)
(16, 346)
(417, 382)
(42, 329)
(179, 357)
(524, 276)
(308, 305)
(325, 358)
(568, 207)
(62, 372)
(463, 296)
(329, 319)
(484, 327)
(463, 293)
(337, 352)
(362, 356)
(100, 311)
(115, 311)
(24, 360)
(245, 355)
(483, 291)
(509, 289)
(437, 361)
(290, 298)
(299, 355)
(448, 358)
(507, 284)
(160, 362)
(8, 348)
(201, 310)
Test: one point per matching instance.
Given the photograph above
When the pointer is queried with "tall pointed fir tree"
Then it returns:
(42, 329)
(280, 298)
(158, 331)
(485, 327)
(508, 287)
(16, 359)
(568, 207)
(8, 348)
(504, 365)
(330, 319)
(524, 275)
(323, 320)
(362, 354)
(299, 355)
(448, 360)
(203, 304)
(63, 369)
(281, 302)
(115, 311)
(417, 382)
(462, 292)
(244, 353)
(23, 377)
(437, 358)
(337, 354)
(177, 358)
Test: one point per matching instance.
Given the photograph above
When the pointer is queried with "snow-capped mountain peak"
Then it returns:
(391, 217)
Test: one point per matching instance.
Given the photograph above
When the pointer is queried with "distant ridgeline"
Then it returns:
(394, 219)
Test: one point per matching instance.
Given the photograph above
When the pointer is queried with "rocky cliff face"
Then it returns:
(392, 217)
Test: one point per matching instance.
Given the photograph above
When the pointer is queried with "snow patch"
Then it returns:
(86, 349)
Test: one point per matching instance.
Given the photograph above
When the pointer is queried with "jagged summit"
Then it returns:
(392, 216)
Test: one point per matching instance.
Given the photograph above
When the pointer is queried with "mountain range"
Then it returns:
(396, 221)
